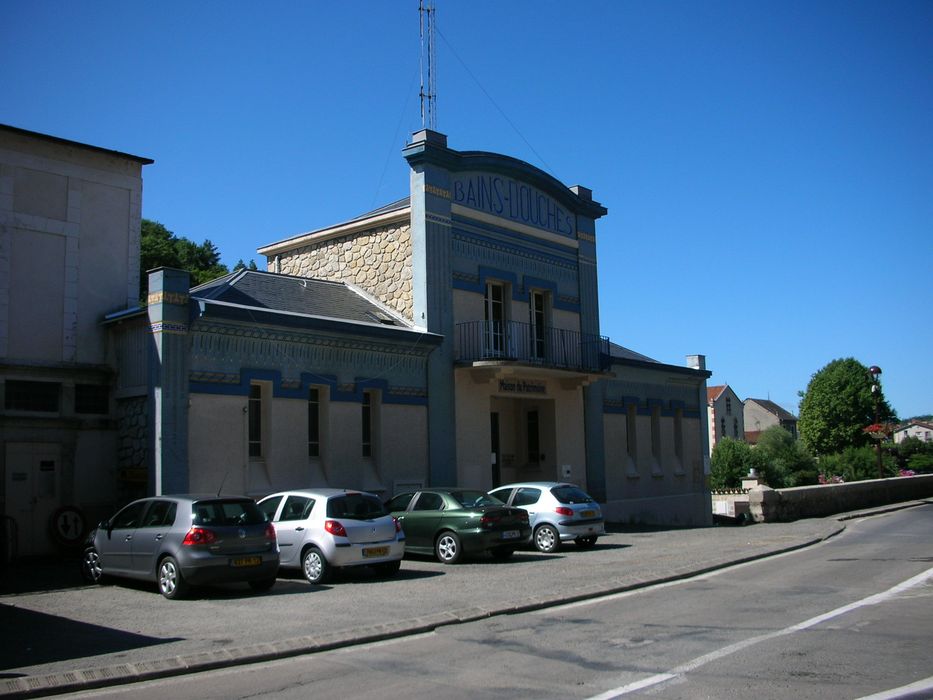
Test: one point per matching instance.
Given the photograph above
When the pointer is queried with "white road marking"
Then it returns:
(689, 666)
(903, 691)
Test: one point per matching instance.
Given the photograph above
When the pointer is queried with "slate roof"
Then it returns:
(273, 292)
(772, 407)
(616, 350)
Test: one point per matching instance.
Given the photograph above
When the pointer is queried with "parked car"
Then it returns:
(321, 530)
(184, 541)
(559, 512)
(449, 523)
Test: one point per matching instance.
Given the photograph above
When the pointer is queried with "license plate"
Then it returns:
(511, 534)
(587, 513)
(247, 561)
(375, 551)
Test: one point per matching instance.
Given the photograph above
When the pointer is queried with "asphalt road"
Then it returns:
(848, 618)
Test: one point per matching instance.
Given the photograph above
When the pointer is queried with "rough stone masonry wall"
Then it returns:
(378, 261)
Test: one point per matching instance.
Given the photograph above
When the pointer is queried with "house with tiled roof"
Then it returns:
(761, 414)
(922, 430)
(724, 414)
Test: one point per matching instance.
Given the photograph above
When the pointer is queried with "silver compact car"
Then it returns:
(559, 512)
(184, 541)
(320, 530)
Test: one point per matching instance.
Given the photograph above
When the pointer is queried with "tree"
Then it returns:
(240, 265)
(786, 461)
(837, 405)
(159, 247)
(731, 460)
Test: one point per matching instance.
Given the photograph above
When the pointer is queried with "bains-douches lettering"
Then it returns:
(513, 200)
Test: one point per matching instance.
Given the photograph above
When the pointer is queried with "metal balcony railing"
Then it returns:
(523, 342)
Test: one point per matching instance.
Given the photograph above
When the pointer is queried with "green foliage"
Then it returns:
(159, 247)
(240, 265)
(785, 460)
(915, 454)
(857, 464)
(837, 405)
(731, 460)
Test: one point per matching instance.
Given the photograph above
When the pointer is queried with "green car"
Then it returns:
(450, 523)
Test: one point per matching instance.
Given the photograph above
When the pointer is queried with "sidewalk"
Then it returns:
(148, 637)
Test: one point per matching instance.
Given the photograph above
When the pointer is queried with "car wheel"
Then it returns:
(586, 542)
(314, 566)
(91, 569)
(547, 539)
(389, 568)
(263, 584)
(171, 583)
(447, 548)
(502, 553)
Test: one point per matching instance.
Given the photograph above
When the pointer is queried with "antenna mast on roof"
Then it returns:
(428, 98)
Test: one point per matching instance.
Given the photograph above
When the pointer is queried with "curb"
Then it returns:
(94, 678)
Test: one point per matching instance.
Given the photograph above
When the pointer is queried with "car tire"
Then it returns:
(586, 542)
(315, 566)
(547, 539)
(502, 553)
(263, 584)
(447, 547)
(171, 582)
(91, 569)
(389, 568)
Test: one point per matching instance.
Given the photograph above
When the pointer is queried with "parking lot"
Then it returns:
(80, 626)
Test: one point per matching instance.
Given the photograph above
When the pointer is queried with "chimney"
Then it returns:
(696, 361)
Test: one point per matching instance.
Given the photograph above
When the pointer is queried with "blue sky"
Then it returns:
(767, 166)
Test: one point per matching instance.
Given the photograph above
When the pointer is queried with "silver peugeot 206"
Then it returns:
(559, 512)
(320, 530)
(184, 541)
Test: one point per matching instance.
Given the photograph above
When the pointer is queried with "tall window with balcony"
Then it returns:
(538, 309)
(495, 331)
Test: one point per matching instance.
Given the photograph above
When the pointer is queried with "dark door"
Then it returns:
(494, 448)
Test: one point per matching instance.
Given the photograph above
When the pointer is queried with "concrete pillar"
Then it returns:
(432, 294)
(169, 319)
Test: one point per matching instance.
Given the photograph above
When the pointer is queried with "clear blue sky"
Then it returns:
(767, 166)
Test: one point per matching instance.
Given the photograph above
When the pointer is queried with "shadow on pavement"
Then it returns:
(36, 574)
(37, 638)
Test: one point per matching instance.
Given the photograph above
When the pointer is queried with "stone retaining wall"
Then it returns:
(784, 505)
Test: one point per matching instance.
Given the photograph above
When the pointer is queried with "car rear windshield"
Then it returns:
(226, 512)
(475, 499)
(570, 494)
(355, 506)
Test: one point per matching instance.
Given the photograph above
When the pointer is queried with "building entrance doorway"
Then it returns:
(33, 473)
(523, 439)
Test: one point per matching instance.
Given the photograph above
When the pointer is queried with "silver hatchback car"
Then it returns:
(559, 512)
(183, 541)
(320, 530)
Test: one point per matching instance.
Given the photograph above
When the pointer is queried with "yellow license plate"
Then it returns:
(375, 551)
(587, 513)
(247, 561)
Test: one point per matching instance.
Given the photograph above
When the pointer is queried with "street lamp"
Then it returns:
(875, 370)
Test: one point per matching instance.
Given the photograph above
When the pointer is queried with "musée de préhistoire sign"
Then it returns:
(513, 200)
(522, 386)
